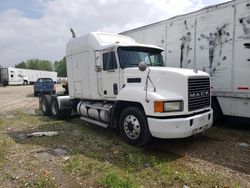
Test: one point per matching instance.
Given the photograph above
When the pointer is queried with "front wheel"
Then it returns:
(134, 126)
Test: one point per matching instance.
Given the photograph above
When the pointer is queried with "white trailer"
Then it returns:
(16, 76)
(11, 76)
(107, 88)
(215, 39)
(33, 75)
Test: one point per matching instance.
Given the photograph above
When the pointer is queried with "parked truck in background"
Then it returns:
(33, 75)
(17, 76)
(11, 76)
(44, 86)
(215, 39)
(115, 82)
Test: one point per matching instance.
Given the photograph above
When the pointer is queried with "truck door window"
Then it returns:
(109, 61)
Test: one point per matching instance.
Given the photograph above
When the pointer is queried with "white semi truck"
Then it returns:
(17, 76)
(215, 39)
(11, 76)
(115, 82)
(33, 75)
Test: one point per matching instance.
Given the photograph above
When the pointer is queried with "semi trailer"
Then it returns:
(33, 75)
(215, 39)
(11, 76)
(17, 76)
(116, 82)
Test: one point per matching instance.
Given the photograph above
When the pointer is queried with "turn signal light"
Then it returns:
(159, 106)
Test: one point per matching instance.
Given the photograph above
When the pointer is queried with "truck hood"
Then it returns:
(163, 74)
(170, 83)
(177, 71)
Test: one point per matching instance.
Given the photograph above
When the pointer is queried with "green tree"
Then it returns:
(60, 67)
(21, 65)
(36, 64)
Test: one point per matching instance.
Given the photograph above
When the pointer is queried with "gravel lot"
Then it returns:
(222, 149)
(19, 97)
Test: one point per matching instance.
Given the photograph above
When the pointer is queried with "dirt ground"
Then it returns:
(222, 149)
(19, 97)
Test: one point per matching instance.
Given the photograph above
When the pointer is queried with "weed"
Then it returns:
(83, 166)
(113, 179)
(95, 156)
(40, 180)
(5, 145)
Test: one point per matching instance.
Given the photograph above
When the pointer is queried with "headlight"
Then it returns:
(173, 106)
(168, 106)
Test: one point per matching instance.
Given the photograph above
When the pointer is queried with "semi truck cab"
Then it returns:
(115, 82)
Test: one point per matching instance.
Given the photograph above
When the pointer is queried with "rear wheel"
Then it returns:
(134, 126)
(25, 82)
(46, 105)
(59, 113)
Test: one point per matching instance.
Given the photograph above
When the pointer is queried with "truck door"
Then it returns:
(110, 75)
(12, 77)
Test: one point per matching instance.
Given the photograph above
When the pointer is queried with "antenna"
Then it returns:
(73, 33)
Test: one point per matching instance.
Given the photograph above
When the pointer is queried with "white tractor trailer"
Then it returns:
(215, 39)
(115, 82)
(17, 76)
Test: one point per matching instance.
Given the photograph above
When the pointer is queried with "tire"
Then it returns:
(133, 127)
(217, 112)
(59, 113)
(25, 82)
(46, 105)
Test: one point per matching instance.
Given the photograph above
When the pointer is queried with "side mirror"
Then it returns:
(142, 66)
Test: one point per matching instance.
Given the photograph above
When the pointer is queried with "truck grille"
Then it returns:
(198, 93)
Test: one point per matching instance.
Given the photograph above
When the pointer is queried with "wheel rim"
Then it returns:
(53, 108)
(43, 106)
(132, 127)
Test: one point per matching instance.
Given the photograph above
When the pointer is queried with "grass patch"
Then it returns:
(41, 181)
(85, 167)
(115, 180)
(96, 157)
(5, 145)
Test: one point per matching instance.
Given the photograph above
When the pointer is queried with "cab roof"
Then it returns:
(99, 41)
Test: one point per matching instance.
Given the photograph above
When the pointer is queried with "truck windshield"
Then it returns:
(132, 56)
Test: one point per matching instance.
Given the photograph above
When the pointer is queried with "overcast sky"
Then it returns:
(40, 28)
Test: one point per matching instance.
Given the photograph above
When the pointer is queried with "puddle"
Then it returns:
(49, 154)
(59, 151)
(21, 136)
(243, 144)
(44, 156)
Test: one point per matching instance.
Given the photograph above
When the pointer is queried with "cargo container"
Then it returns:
(215, 39)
